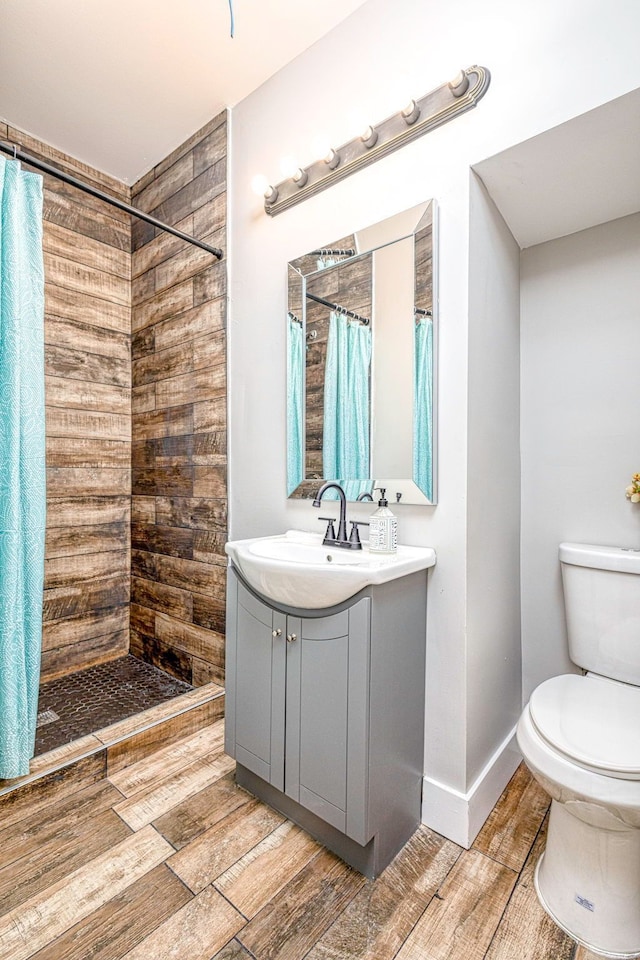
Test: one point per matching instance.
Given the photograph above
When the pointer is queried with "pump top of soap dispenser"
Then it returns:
(382, 502)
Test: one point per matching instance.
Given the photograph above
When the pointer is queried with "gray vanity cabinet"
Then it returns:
(301, 706)
(312, 717)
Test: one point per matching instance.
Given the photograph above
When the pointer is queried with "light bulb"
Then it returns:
(259, 184)
(288, 166)
(320, 147)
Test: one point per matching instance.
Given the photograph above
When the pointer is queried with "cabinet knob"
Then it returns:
(276, 633)
(291, 637)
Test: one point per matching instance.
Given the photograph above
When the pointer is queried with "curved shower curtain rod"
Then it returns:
(17, 154)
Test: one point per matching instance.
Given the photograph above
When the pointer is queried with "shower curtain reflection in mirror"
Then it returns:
(22, 462)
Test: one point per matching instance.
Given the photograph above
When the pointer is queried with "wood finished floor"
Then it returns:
(168, 860)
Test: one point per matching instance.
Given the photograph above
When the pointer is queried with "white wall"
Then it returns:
(580, 417)
(536, 52)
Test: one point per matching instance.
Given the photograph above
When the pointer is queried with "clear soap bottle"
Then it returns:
(383, 528)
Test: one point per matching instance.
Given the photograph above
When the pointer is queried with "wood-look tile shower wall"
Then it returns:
(179, 504)
(88, 417)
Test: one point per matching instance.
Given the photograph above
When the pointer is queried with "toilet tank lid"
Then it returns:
(622, 559)
(591, 720)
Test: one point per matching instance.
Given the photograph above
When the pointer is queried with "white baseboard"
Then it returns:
(459, 816)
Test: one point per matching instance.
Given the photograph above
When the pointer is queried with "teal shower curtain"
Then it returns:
(345, 442)
(423, 406)
(295, 408)
(22, 462)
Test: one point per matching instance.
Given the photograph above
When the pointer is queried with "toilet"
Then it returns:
(580, 737)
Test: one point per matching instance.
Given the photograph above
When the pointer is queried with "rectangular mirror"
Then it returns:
(361, 362)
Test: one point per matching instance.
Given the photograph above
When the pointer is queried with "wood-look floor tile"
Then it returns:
(148, 805)
(233, 951)
(514, 821)
(462, 918)
(74, 845)
(215, 850)
(44, 917)
(380, 917)
(260, 875)
(198, 813)
(195, 932)
(121, 923)
(288, 927)
(582, 953)
(50, 788)
(33, 832)
(152, 770)
(526, 931)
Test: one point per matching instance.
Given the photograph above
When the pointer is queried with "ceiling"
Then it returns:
(119, 84)
(576, 175)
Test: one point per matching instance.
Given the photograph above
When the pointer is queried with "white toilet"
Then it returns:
(580, 737)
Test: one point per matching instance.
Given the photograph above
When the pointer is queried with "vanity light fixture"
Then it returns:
(418, 117)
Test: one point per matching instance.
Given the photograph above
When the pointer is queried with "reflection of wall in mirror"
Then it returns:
(392, 394)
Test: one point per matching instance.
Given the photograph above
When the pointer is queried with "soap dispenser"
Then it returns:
(383, 528)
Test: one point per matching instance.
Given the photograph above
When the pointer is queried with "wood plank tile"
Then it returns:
(197, 514)
(75, 843)
(203, 672)
(154, 769)
(163, 363)
(206, 578)
(143, 399)
(39, 828)
(67, 392)
(233, 951)
(72, 215)
(86, 308)
(207, 318)
(161, 598)
(214, 851)
(211, 415)
(37, 794)
(190, 143)
(63, 511)
(87, 538)
(195, 932)
(526, 931)
(163, 711)
(83, 279)
(83, 653)
(61, 633)
(173, 421)
(207, 185)
(148, 805)
(210, 481)
(61, 332)
(143, 509)
(34, 924)
(148, 741)
(162, 187)
(288, 927)
(209, 612)
(192, 387)
(175, 662)
(197, 641)
(162, 247)
(157, 538)
(85, 424)
(123, 921)
(210, 150)
(210, 284)
(66, 571)
(267, 868)
(89, 595)
(461, 920)
(88, 481)
(185, 263)
(168, 303)
(60, 241)
(192, 817)
(381, 916)
(76, 364)
(513, 823)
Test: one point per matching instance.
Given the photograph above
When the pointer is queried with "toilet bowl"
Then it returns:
(580, 737)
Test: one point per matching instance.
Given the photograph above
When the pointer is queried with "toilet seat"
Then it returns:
(591, 721)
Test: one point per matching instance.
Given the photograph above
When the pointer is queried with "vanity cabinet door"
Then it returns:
(327, 697)
(259, 688)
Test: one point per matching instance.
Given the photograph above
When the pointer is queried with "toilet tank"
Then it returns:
(602, 603)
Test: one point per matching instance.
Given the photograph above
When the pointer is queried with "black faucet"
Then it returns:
(365, 496)
(331, 539)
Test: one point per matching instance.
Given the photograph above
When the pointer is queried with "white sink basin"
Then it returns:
(295, 569)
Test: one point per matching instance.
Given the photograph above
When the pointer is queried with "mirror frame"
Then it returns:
(401, 226)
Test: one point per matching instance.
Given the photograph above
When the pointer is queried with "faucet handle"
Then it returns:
(330, 533)
(354, 537)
